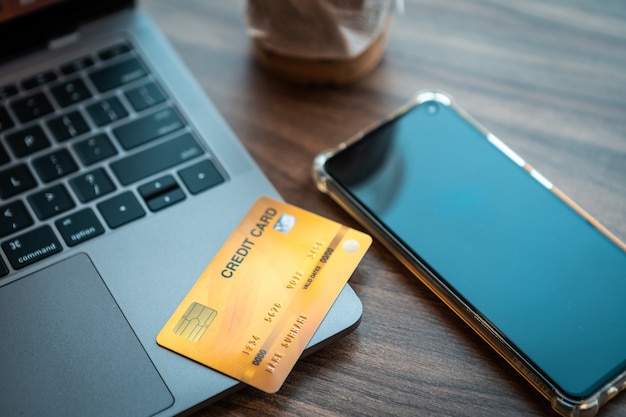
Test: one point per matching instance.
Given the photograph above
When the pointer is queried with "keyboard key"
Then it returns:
(92, 185)
(31, 107)
(121, 209)
(15, 180)
(54, 165)
(118, 74)
(3, 268)
(31, 247)
(50, 202)
(148, 128)
(77, 65)
(158, 186)
(94, 149)
(79, 227)
(145, 96)
(201, 176)
(113, 51)
(27, 141)
(162, 192)
(5, 119)
(167, 199)
(7, 91)
(70, 92)
(39, 79)
(156, 159)
(68, 126)
(14, 217)
(4, 156)
(107, 111)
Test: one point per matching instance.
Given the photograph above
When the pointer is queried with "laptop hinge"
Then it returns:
(63, 40)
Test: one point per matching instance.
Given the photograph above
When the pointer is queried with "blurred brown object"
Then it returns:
(319, 42)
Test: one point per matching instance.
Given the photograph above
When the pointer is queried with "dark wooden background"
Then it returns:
(547, 77)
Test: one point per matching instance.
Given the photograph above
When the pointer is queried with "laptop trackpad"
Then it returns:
(66, 349)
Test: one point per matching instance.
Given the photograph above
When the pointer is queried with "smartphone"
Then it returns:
(529, 270)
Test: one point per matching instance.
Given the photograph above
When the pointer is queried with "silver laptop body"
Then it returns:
(99, 243)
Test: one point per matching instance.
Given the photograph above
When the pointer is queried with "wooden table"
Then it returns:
(549, 78)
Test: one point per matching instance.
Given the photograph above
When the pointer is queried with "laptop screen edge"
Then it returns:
(33, 30)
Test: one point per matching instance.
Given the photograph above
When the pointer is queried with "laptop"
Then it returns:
(119, 181)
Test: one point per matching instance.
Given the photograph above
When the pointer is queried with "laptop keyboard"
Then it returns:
(87, 147)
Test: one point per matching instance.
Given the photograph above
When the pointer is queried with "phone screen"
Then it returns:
(499, 238)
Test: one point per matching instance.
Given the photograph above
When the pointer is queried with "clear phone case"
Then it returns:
(561, 403)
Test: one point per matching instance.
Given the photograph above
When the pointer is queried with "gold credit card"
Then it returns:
(256, 306)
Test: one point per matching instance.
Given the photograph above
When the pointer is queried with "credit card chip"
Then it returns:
(195, 321)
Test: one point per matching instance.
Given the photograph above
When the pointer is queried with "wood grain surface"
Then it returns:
(547, 77)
